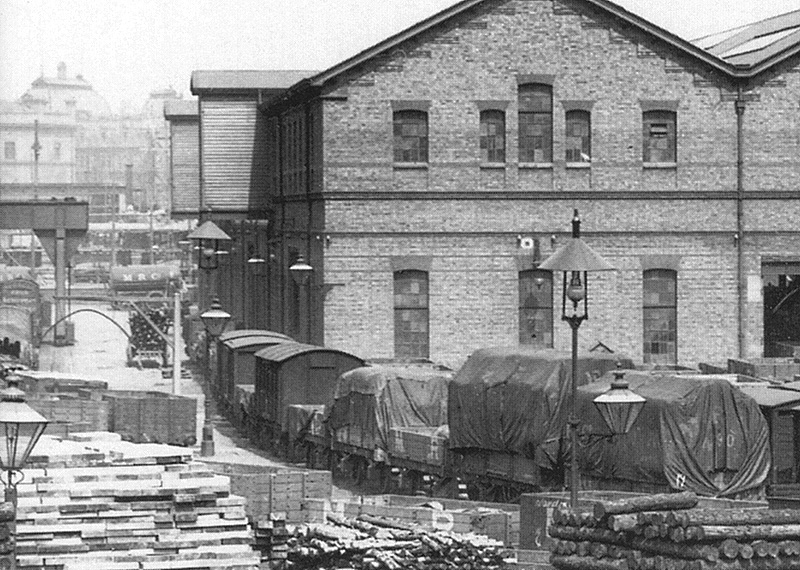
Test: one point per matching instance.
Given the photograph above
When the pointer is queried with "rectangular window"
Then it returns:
(10, 150)
(660, 317)
(535, 123)
(579, 137)
(411, 136)
(411, 338)
(57, 151)
(493, 136)
(536, 308)
(659, 137)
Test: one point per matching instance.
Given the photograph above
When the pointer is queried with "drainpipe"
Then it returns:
(310, 291)
(740, 275)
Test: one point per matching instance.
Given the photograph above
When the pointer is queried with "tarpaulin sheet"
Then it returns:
(696, 434)
(514, 400)
(379, 398)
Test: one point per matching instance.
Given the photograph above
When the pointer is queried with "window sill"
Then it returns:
(536, 165)
(410, 165)
(579, 165)
(660, 165)
(493, 165)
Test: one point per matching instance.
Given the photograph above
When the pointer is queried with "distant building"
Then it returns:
(20, 128)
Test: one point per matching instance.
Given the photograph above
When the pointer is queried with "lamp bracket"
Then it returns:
(328, 287)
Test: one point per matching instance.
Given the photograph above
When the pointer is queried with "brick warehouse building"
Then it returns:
(424, 178)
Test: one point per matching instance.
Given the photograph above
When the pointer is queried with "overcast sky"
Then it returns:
(127, 48)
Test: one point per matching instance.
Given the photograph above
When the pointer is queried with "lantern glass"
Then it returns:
(301, 271)
(215, 319)
(22, 427)
(619, 407)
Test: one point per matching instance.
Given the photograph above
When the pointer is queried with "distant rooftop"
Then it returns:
(753, 43)
(245, 80)
(175, 108)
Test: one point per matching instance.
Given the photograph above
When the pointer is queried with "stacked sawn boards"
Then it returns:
(666, 532)
(138, 507)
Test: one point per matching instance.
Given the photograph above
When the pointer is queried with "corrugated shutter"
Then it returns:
(185, 167)
(234, 145)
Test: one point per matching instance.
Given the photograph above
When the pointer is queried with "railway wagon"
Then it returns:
(21, 318)
(291, 373)
(695, 433)
(144, 280)
(377, 412)
(236, 362)
(507, 414)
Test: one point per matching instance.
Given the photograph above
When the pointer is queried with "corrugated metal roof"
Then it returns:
(768, 396)
(245, 80)
(226, 336)
(756, 43)
(255, 340)
(284, 351)
(181, 108)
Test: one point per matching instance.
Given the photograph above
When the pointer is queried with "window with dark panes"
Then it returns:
(410, 136)
(493, 136)
(579, 136)
(411, 314)
(659, 136)
(535, 123)
(660, 319)
(10, 150)
(536, 308)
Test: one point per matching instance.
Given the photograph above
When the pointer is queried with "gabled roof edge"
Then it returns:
(317, 81)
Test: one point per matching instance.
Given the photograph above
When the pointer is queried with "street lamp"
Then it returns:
(619, 406)
(575, 259)
(301, 271)
(214, 321)
(23, 427)
(208, 235)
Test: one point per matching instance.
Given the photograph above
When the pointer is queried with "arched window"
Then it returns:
(660, 316)
(579, 136)
(658, 137)
(535, 122)
(410, 136)
(493, 136)
(411, 339)
(536, 308)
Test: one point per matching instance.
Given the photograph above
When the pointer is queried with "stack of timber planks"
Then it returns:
(102, 503)
(667, 532)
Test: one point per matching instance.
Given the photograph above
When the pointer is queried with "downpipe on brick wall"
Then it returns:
(739, 105)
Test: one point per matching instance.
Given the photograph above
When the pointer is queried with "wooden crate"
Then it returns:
(93, 414)
(153, 416)
(268, 490)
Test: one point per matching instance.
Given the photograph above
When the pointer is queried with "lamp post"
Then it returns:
(214, 321)
(208, 235)
(619, 406)
(301, 271)
(576, 259)
(23, 426)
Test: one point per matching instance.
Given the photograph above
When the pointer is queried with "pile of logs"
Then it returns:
(375, 543)
(667, 532)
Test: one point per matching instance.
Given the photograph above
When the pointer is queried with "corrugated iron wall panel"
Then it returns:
(234, 145)
(185, 167)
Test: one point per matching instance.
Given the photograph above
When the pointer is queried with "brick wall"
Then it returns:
(466, 218)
